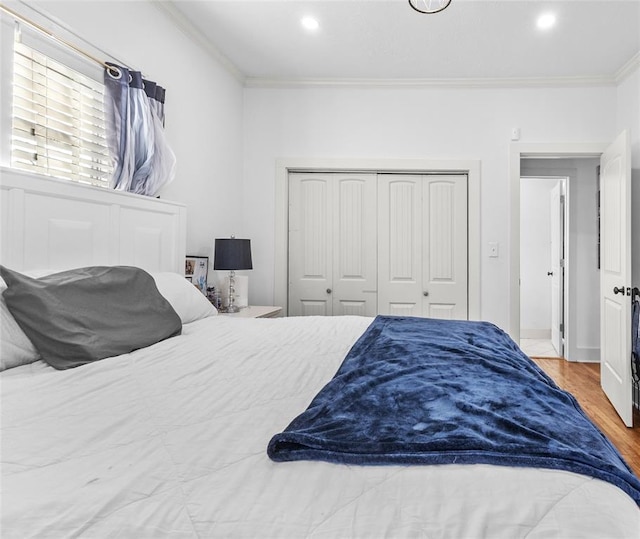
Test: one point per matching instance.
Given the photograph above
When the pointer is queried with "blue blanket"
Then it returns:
(424, 391)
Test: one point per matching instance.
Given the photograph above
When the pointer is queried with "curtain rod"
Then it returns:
(42, 29)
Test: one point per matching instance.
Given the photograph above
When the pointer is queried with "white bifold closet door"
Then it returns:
(366, 244)
(332, 244)
(422, 245)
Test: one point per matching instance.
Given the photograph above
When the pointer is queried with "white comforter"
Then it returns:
(170, 441)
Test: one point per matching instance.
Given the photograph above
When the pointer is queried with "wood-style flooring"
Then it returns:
(582, 380)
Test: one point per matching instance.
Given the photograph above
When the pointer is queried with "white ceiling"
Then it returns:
(378, 40)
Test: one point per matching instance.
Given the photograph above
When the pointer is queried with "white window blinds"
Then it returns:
(58, 126)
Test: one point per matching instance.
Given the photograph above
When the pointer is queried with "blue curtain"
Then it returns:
(134, 113)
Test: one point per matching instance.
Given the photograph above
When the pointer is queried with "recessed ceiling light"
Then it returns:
(546, 21)
(310, 23)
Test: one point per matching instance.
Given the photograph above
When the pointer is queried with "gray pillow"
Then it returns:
(83, 315)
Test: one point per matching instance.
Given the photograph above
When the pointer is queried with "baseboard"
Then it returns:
(586, 355)
(535, 333)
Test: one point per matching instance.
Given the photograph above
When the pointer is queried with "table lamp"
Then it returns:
(232, 254)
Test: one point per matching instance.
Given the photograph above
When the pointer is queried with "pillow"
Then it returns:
(186, 299)
(15, 347)
(83, 315)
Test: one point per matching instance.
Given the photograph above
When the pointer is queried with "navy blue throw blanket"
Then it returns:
(424, 391)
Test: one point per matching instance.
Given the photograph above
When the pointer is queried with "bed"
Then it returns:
(170, 438)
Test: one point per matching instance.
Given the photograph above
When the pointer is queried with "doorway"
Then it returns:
(404, 166)
(542, 262)
(378, 243)
(581, 298)
(578, 163)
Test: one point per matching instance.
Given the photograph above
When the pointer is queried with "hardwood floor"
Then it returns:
(582, 380)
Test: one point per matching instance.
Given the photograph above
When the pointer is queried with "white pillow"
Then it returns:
(186, 299)
(15, 347)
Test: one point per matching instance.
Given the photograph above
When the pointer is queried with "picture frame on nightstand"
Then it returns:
(196, 269)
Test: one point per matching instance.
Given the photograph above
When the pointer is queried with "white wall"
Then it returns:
(535, 258)
(583, 231)
(204, 106)
(463, 123)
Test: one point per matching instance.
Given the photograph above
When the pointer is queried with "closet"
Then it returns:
(378, 243)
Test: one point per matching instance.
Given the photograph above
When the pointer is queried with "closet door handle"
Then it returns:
(328, 290)
(617, 290)
(550, 273)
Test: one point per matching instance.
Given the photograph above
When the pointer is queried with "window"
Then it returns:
(58, 125)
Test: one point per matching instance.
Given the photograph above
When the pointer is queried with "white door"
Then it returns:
(400, 240)
(311, 253)
(444, 251)
(332, 244)
(557, 269)
(422, 245)
(615, 276)
(354, 245)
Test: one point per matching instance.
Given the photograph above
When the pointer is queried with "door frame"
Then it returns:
(524, 150)
(406, 166)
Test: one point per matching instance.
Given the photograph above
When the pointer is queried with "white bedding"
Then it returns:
(170, 441)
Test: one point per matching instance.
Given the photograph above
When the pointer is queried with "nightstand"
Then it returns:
(256, 311)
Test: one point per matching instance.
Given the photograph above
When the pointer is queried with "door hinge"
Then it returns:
(562, 262)
(561, 329)
(561, 199)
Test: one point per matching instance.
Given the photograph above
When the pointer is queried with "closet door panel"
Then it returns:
(309, 307)
(310, 249)
(355, 308)
(442, 311)
(399, 244)
(445, 249)
(355, 247)
(402, 309)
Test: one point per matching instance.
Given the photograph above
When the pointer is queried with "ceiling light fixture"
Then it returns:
(429, 6)
(546, 21)
(310, 23)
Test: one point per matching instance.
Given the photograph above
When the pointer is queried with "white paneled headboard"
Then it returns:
(49, 224)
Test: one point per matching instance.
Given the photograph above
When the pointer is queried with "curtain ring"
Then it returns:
(113, 69)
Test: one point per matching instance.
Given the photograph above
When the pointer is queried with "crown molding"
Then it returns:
(628, 68)
(523, 82)
(168, 8)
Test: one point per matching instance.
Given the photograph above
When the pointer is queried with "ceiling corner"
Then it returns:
(629, 67)
(169, 8)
